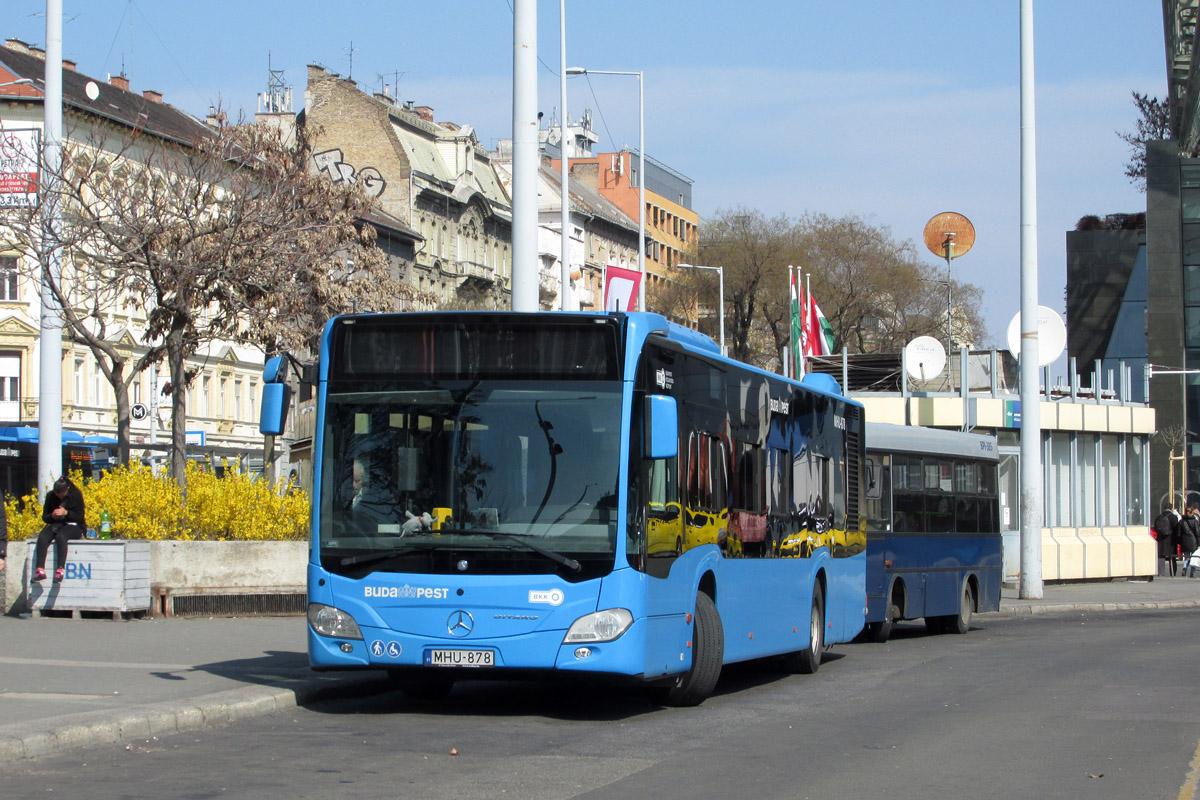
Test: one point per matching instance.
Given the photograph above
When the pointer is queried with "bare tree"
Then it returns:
(873, 289)
(227, 237)
(1153, 123)
(754, 251)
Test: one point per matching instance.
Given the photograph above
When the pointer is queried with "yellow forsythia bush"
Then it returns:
(145, 505)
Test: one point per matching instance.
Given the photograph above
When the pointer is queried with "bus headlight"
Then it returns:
(330, 621)
(602, 626)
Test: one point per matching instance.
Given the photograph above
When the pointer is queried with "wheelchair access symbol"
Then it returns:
(379, 648)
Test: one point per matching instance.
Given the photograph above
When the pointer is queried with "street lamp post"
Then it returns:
(641, 170)
(721, 291)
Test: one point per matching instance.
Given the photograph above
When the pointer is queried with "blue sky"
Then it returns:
(894, 111)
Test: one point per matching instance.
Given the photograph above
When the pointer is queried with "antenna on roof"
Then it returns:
(395, 75)
(278, 97)
(350, 50)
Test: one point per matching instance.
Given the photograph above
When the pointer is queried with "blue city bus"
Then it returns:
(504, 494)
(934, 548)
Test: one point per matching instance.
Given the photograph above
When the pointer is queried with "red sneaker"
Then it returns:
(58, 576)
(40, 575)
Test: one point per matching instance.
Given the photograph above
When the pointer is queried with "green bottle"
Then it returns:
(105, 525)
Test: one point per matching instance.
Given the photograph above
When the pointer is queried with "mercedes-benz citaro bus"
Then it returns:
(505, 494)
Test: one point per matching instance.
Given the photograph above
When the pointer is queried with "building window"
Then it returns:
(8, 278)
(1136, 482)
(237, 399)
(10, 387)
(79, 381)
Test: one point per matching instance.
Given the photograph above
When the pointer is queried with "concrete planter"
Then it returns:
(188, 577)
(111, 576)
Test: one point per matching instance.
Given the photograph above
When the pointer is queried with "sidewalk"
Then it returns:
(67, 684)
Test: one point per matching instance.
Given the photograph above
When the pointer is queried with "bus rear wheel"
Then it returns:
(691, 688)
(961, 622)
(808, 660)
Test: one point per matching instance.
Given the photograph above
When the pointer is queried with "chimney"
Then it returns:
(18, 45)
(119, 81)
(69, 64)
(587, 173)
(152, 96)
(425, 113)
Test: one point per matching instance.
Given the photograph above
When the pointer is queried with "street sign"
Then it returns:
(139, 411)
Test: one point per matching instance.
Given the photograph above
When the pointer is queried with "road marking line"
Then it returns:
(58, 662)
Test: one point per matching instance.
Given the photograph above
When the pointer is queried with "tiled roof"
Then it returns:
(117, 105)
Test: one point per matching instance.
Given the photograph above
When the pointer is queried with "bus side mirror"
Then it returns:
(662, 427)
(276, 397)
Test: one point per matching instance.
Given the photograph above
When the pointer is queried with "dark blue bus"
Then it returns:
(933, 531)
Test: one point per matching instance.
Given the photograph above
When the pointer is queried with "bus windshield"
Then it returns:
(471, 476)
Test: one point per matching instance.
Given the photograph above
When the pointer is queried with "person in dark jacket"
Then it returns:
(63, 514)
(3, 533)
(1166, 531)
(1189, 535)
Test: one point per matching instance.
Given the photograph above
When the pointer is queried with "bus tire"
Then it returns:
(808, 660)
(691, 688)
(415, 685)
(961, 622)
(880, 632)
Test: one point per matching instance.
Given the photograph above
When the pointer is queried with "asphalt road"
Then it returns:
(1080, 706)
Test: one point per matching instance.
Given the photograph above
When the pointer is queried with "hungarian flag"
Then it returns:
(819, 339)
(797, 328)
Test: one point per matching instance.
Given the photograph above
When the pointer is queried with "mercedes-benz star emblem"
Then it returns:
(460, 624)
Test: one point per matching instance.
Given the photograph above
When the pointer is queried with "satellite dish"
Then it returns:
(924, 358)
(91, 90)
(1052, 336)
(952, 228)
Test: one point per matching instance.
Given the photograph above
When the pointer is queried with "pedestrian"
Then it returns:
(1189, 538)
(63, 514)
(1166, 528)
(3, 533)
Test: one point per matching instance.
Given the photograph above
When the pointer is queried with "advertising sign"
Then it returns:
(621, 289)
(19, 168)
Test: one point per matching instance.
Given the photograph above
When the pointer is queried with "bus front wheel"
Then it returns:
(808, 661)
(708, 651)
(880, 632)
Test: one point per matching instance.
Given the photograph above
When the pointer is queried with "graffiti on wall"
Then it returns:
(330, 162)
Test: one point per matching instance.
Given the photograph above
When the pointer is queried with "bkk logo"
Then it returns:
(553, 596)
(406, 592)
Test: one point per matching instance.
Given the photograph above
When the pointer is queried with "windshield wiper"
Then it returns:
(371, 558)
(557, 558)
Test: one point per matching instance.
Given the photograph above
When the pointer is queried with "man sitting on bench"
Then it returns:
(63, 514)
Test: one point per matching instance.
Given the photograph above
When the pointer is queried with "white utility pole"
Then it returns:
(565, 271)
(525, 157)
(1031, 401)
(50, 452)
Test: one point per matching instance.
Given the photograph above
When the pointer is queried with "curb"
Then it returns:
(139, 723)
(1073, 608)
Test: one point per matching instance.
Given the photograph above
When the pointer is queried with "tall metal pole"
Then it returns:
(525, 157)
(1031, 418)
(50, 454)
(641, 193)
(562, 141)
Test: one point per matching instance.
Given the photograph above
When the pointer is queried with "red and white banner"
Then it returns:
(621, 289)
(18, 168)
